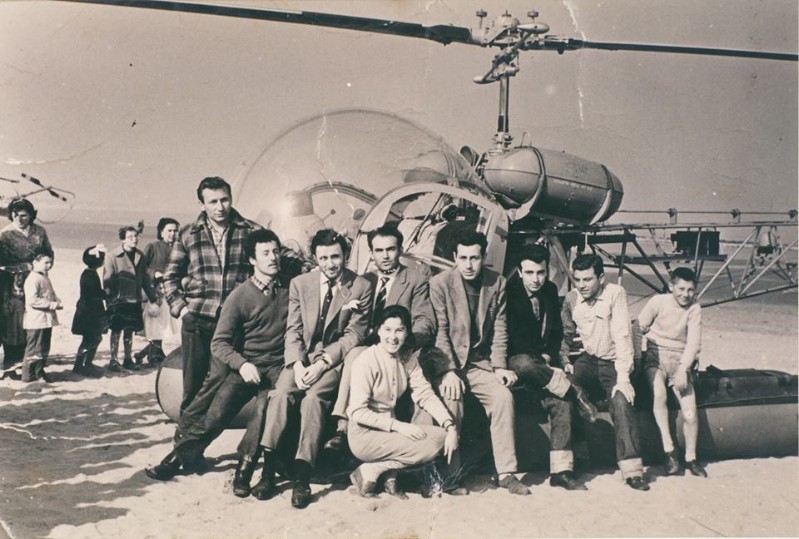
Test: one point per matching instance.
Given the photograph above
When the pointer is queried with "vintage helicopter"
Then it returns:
(515, 193)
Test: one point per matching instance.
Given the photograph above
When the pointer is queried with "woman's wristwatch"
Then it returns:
(448, 425)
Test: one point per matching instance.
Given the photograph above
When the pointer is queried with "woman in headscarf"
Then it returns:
(126, 284)
(20, 242)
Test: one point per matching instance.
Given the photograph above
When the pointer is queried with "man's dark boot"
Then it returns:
(167, 469)
(585, 407)
(265, 488)
(301, 490)
(243, 476)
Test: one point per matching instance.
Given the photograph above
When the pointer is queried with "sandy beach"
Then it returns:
(72, 454)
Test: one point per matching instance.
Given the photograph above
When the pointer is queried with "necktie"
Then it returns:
(326, 304)
(380, 300)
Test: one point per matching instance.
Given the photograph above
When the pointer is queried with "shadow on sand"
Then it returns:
(66, 467)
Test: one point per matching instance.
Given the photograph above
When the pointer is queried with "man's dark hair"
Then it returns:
(326, 237)
(686, 274)
(22, 204)
(262, 235)
(470, 238)
(213, 183)
(386, 231)
(535, 253)
(162, 223)
(589, 261)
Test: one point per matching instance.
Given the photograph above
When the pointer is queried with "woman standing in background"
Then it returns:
(20, 242)
(158, 322)
(126, 284)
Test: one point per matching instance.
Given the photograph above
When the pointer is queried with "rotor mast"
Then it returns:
(511, 35)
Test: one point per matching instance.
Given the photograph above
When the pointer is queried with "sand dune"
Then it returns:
(72, 454)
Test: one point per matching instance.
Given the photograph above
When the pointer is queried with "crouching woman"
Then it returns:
(380, 375)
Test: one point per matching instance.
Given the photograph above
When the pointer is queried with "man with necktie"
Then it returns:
(534, 338)
(325, 321)
(394, 284)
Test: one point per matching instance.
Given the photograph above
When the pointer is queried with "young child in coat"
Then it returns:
(672, 325)
(41, 304)
(90, 320)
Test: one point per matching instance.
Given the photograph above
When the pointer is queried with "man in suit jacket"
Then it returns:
(328, 316)
(535, 332)
(471, 350)
(393, 284)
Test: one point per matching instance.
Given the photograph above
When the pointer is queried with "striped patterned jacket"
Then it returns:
(194, 277)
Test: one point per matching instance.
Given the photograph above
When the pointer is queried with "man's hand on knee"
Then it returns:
(626, 389)
(505, 377)
(451, 386)
(249, 373)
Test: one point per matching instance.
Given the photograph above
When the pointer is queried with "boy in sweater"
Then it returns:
(672, 325)
(41, 304)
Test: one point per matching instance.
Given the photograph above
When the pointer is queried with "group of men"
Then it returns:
(248, 331)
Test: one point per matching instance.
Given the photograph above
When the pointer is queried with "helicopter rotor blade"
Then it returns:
(444, 34)
(561, 45)
(441, 33)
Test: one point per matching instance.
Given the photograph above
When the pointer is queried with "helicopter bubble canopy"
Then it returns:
(328, 171)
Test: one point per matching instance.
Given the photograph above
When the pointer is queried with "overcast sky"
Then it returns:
(131, 108)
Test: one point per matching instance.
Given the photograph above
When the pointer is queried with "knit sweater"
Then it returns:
(252, 326)
(669, 325)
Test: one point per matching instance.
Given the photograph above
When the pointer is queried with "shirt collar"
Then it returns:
(599, 296)
(262, 286)
(236, 220)
(323, 280)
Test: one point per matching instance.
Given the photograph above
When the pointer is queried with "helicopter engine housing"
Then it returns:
(553, 185)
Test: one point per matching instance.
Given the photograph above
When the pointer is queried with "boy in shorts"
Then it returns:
(672, 326)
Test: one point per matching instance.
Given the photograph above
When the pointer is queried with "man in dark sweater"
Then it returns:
(535, 332)
(247, 358)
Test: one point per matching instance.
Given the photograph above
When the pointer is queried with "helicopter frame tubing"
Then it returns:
(760, 255)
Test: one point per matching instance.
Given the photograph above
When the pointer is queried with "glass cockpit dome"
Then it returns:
(327, 172)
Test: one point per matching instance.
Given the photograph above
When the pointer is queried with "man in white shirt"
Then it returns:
(598, 312)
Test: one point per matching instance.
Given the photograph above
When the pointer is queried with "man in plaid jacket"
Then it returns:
(206, 263)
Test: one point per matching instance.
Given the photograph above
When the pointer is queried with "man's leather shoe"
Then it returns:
(695, 468)
(585, 407)
(513, 485)
(264, 489)
(638, 483)
(566, 480)
(673, 464)
(392, 488)
(166, 470)
(243, 476)
(338, 442)
(367, 489)
(114, 366)
(301, 494)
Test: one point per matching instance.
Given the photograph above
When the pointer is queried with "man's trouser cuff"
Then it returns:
(559, 384)
(561, 461)
(631, 468)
